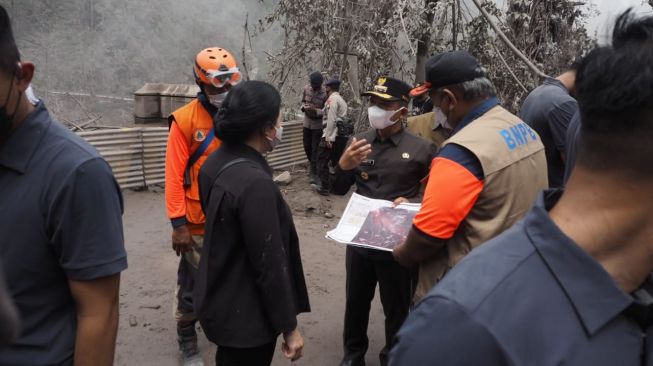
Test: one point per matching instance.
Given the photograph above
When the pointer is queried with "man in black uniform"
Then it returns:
(387, 162)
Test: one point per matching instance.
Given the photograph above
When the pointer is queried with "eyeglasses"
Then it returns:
(221, 78)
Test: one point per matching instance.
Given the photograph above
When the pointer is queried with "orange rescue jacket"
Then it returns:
(189, 126)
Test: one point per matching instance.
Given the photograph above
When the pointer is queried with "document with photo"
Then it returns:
(375, 224)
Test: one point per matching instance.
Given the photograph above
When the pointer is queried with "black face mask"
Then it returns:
(6, 119)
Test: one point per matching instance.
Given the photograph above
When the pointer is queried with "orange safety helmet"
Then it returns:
(216, 66)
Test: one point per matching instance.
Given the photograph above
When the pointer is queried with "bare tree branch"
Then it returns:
(403, 24)
(503, 60)
(505, 40)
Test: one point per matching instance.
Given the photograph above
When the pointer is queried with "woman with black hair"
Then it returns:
(251, 284)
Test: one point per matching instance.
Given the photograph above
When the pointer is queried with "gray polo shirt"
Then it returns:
(548, 110)
(61, 220)
(530, 296)
(573, 141)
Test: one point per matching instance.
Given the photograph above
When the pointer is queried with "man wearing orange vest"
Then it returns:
(191, 140)
(485, 178)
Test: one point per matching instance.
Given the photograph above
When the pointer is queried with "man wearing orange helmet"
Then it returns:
(191, 140)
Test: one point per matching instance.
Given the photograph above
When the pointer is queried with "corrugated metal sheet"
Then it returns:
(137, 155)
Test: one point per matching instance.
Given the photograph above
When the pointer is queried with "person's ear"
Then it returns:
(24, 75)
(401, 113)
(451, 97)
(269, 132)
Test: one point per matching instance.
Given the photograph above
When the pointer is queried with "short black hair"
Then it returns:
(615, 96)
(250, 107)
(9, 55)
(630, 30)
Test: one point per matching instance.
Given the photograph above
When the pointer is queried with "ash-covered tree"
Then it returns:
(354, 40)
(357, 40)
(551, 33)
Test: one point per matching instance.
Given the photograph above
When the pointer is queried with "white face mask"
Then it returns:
(441, 118)
(276, 140)
(218, 99)
(379, 118)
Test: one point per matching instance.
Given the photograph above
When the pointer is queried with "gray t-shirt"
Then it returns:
(548, 110)
(61, 220)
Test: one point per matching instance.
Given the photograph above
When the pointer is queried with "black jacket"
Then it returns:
(251, 284)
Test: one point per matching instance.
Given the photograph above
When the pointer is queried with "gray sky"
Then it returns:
(604, 13)
(608, 10)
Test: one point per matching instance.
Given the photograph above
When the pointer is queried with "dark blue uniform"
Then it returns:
(531, 296)
(61, 220)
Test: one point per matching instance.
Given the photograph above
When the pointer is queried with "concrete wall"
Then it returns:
(110, 48)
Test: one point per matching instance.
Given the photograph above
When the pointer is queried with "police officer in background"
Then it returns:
(313, 98)
(484, 179)
(387, 162)
(332, 145)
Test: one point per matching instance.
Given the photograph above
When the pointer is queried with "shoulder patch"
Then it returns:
(199, 135)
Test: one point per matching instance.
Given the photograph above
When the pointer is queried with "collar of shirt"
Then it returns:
(555, 82)
(245, 151)
(16, 153)
(592, 291)
(373, 136)
(478, 111)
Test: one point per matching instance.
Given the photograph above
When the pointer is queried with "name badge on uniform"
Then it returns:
(368, 162)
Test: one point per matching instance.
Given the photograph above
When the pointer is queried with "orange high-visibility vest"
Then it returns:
(190, 126)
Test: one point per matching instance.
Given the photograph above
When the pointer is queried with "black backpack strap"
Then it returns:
(230, 164)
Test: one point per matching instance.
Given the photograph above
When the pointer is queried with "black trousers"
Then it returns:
(323, 158)
(311, 143)
(338, 149)
(256, 356)
(186, 274)
(326, 155)
(395, 287)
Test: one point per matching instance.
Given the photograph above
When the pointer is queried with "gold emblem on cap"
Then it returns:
(405, 155)
(380, 88)
(381, 81)
(365, 176)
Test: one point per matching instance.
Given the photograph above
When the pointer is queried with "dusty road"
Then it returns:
(147, 334)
